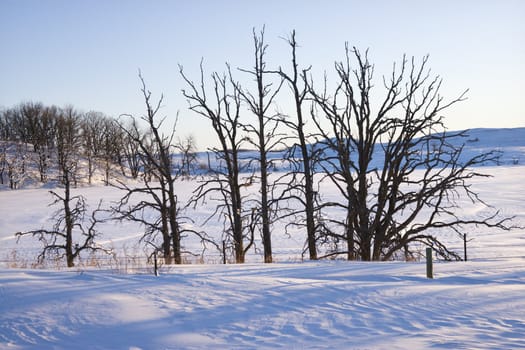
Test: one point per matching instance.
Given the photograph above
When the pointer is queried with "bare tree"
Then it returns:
(224, 114)
(68, 145)
(4, 142)
(35, 126)
(14, 160)
(265, 130)
(296, 81)
(398, 170)
(5, 127)
(46, 141)
(157, 192)
(72, 233)
(69, 236)
(131, 136)
(112, 140)
(3, 161)
(187, 150)
(92, 140)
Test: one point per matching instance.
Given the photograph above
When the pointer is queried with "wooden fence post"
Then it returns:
(465, 245)
(430, 273)
(156, 265)
(224, 252)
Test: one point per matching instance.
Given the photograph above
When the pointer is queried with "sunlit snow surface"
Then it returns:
(479, 304)
(330, 305)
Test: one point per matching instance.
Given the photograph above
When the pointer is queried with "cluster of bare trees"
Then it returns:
(406, 198)
(67, 147)
(399, 174)
(411, 194)
(45, 138)
(157, 190)
(74, 146)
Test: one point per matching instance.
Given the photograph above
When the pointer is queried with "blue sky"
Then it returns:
(87, 52)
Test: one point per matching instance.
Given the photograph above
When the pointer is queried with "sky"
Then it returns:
(87, 53)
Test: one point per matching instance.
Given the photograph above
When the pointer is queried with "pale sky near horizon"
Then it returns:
(87, 52)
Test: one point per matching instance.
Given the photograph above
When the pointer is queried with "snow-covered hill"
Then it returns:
(508, 143)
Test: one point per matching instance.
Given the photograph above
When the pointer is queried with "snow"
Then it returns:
(291, 304)
(329, 304)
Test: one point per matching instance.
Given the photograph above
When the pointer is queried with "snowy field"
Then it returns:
(313, 305)
(479, 304)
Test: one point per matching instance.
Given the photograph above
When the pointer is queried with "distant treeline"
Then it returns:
(35, 139)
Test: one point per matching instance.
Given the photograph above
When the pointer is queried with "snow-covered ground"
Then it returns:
(479, 304)
(312, 305)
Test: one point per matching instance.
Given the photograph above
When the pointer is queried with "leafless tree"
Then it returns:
(68, 144)
(45, 142)
(301, 185)
(266, 136)
(398, 171)
(14, 160)
(157, 192)
(187, 155)
(92, 140)
(69, 236)
(34, 124)
(112, 140)
(130, 139)
(3, 161)
(102, 145)
(5, 127)
(4, 143)
(72, 233)
(223, 111)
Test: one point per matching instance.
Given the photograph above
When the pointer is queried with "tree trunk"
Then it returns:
(266, 234)
(68, 220)
(350, 242)
(237, 227)
(175, 229)
(308, 185)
